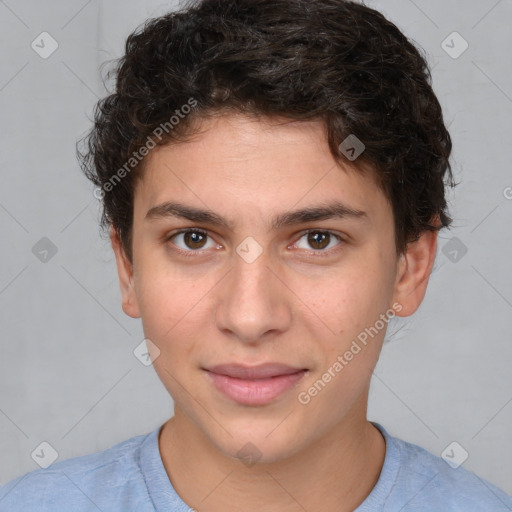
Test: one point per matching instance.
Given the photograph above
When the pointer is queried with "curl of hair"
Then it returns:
(337, 61)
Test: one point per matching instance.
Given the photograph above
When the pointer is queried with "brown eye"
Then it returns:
(318, 241)
(194, 239)
(191, 240)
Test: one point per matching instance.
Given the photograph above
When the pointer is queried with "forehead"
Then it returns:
(256, 164)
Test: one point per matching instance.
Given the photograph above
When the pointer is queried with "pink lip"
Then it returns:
(254, 385)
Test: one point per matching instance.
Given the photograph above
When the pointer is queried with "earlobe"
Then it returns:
(414, 269)
(126, 280)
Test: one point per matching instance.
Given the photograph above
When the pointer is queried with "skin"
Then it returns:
(291, 305)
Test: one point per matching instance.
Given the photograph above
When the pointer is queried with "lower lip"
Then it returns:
(255, 392)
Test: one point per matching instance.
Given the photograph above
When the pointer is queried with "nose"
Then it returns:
(253, 303)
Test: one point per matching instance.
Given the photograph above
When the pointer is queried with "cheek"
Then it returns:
(347, 300)
(170, 309)
(176, 313)
(349, 305)
(166, 294)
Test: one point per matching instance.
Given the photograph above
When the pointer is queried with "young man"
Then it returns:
(272, 175)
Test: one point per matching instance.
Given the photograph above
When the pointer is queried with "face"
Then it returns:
(247, 283)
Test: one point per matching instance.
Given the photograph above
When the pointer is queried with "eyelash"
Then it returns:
(318, 252)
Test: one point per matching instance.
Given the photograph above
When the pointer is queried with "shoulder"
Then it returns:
(80, 483)
(427, 482)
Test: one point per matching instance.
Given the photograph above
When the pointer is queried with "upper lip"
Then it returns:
(261, 371)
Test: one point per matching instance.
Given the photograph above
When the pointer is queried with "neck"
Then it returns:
(336, 472)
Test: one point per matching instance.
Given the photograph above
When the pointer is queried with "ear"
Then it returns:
(125, 272)
(414, 268)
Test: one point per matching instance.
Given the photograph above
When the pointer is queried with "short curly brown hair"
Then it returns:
(337, 61)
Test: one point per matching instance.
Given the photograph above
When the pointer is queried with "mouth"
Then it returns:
(254, 385)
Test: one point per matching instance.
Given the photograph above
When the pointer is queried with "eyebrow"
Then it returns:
(331, 210)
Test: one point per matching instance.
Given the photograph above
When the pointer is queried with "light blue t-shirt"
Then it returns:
(130, 476)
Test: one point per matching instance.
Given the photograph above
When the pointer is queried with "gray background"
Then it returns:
(68, 375)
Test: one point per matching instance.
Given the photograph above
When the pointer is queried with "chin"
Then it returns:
(264, 443)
